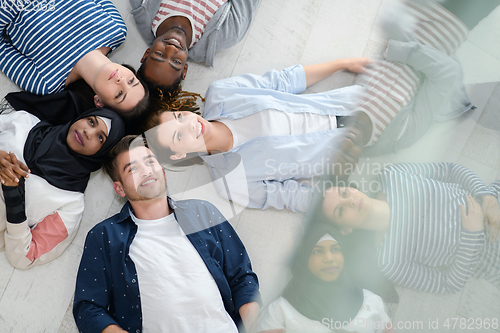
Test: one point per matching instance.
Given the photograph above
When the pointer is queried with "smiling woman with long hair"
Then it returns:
(427, 224)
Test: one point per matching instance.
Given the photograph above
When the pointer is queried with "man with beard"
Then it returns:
(192, 270)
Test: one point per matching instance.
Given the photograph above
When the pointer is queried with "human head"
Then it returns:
(95, 132)
(326, 260)
(87, 135)
(48, 154)
(164, 64)
(161, 126)
(117, 87)
(347, 208)
(135, 171)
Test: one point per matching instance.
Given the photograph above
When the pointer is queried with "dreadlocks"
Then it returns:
(176, 100)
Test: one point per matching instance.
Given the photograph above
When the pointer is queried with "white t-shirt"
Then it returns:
(272, 122)
(280, 314)
(178, 293)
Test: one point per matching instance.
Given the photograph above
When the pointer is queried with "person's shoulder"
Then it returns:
(197, 215)
(198, 205)
(115, 224)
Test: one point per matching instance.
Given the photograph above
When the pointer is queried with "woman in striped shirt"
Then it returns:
(45, 46)
(427, 222)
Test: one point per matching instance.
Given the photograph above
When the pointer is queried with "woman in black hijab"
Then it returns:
(43, 209)
(321, 296)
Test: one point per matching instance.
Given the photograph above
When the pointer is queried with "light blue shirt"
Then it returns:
(269, 166)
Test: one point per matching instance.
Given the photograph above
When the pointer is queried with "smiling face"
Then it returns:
(165, 62)
(141, 177)
(183, 132)
(87, 135)
(117, 88)
(347, 207)
(326, 261)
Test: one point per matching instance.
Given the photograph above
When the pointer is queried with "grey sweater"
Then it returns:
(226, 28)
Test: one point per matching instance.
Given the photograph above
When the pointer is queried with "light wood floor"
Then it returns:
(285, 32)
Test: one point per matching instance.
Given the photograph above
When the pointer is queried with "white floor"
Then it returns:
(285, 32)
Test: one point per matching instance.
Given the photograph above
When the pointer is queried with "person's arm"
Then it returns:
(249, 313)
(446, 173)
(440, 70)
(491, 211)
(143, 19)
(11, 169)
(272, 318)
(13, 63)
(433, 279)
(93, 290)
(221, 36)
(291, 80)
(317, 72)
(109, 8)
(441, 75)
(453, 278)
(113, 329)
(288, 194)
(8, 11)
(237, 269)
(25, 246)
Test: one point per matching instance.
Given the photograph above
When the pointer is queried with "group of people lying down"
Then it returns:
(178, 266)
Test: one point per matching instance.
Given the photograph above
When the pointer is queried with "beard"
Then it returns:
(135, 194)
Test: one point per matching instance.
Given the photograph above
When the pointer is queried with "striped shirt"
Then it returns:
(47, 44)
(198, 12)
(426, 247)
(391, 86)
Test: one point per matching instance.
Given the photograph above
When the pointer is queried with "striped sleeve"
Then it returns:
(45, 45)
(108, 7)
(11, 60)
(19, 68)
(440, 280)
(447, 173)
(7, 14)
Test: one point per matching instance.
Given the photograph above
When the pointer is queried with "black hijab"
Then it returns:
(339, 300)
(48, 155)
(58, 109)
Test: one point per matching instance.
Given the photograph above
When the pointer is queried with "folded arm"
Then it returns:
(47, 240)
(446, 173)
(434, 279)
